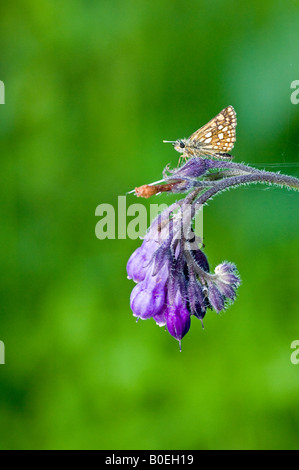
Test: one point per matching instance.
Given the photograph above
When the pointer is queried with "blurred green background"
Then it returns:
(91, 90)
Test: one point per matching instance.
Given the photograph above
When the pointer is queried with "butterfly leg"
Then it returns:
(183, 156)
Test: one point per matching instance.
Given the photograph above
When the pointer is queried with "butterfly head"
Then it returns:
(179, 144)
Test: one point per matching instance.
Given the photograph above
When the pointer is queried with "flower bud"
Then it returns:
(196, 299)
(193, 168)
(138, 263)
(227, 273)
(177, 318)
(200, 259)
(148, 297)
(216, 299)
(160, 318)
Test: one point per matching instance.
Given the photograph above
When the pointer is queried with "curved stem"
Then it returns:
(233, 166)
(257, 177)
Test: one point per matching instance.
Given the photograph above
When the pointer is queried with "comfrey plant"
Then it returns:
(174, 280)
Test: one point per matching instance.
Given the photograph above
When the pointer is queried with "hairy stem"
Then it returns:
(257, 177)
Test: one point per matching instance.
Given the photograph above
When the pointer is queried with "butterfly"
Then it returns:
(215, 139)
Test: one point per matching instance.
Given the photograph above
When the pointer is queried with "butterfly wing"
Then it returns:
(218, 135)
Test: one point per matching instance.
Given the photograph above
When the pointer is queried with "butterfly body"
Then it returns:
(214, 140)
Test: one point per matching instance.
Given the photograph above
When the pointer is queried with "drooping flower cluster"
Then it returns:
(173, 278)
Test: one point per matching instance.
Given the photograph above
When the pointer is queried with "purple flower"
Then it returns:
(173, 277)
(177, 317)
(138, 262)
(148, 296)
(140, 259)
(160, 318)
(197, 301)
